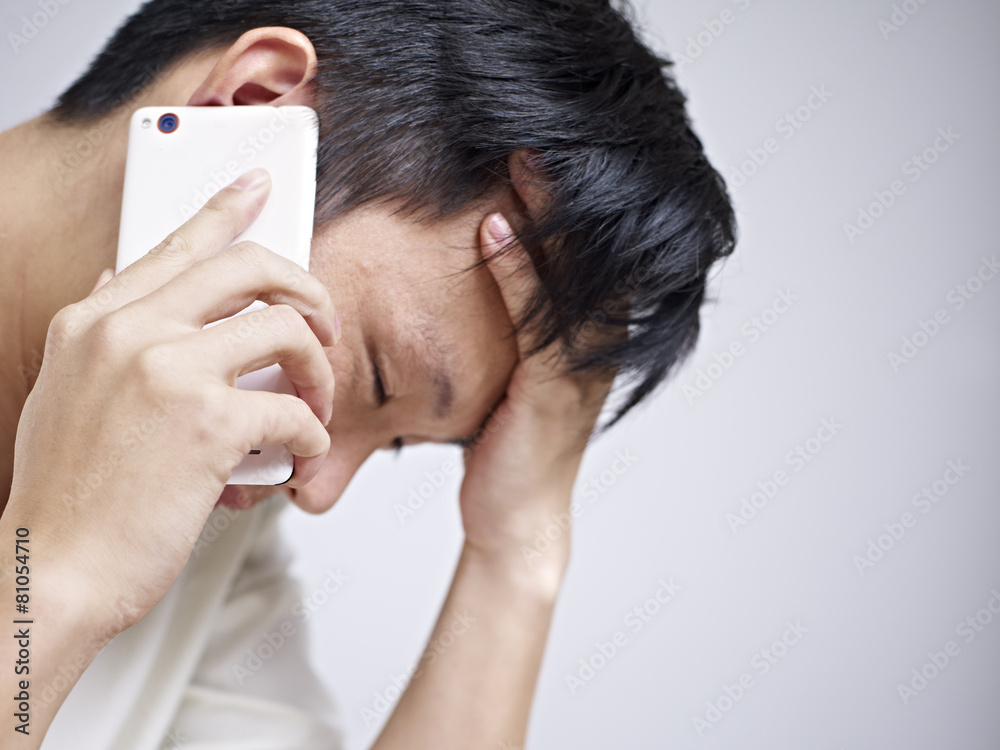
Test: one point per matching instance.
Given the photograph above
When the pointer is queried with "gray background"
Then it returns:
(825, 357)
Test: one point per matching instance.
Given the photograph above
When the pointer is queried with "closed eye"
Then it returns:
(378, 387)
(381, 397)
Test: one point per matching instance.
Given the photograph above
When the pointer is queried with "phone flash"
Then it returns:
(147, 122)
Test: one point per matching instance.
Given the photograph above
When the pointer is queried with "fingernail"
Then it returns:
(500, 229)
(252, 180)
(336, 328)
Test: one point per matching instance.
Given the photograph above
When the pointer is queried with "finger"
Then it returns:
(274, 335)
(227, 282)
(214, 227)
(106, 275)
(543, 373)
(282, 419)
(517, 279)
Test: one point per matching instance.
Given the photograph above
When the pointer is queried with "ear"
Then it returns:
(268, 65)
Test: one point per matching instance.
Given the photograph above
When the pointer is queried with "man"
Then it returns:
(481, 163)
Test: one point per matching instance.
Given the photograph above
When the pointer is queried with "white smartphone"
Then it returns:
(178, 157)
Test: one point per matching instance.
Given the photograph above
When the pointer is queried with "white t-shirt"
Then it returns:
(219, 663)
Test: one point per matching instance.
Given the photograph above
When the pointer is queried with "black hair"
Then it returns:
(425, 100)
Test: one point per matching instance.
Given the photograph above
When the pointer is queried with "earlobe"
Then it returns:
(268, 65)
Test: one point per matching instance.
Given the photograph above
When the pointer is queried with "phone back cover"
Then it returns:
(170, 176)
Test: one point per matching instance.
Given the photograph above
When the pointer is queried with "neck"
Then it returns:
(60, 197)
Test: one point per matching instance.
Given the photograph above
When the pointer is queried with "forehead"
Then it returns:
(411, 277)
(423, 316)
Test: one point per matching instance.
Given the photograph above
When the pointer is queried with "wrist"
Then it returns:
(524, 569)
(47, 630)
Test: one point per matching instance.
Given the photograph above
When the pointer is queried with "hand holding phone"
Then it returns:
(133, 425)
(178, 157)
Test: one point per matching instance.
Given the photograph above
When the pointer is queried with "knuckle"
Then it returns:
(293, 409)
(248, 253)
(66, 323)
(153, 365)
(110, 333)
(286, 321)
(314, 301)
(271, 422)
(300, 412)
(310, 294)
(242, 328)
(295, 277)
(175, 248)
(317, 291)
(271, 419)
(289, 276)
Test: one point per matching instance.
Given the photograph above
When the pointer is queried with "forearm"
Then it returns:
(47, 635)
(475, 682)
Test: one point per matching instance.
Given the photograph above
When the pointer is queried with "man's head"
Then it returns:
(435, 114)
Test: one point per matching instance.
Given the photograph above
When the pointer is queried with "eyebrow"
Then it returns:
(444, 394)
(444, 386)
(444, 382)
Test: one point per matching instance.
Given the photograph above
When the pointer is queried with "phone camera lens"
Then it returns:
(167, 123)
